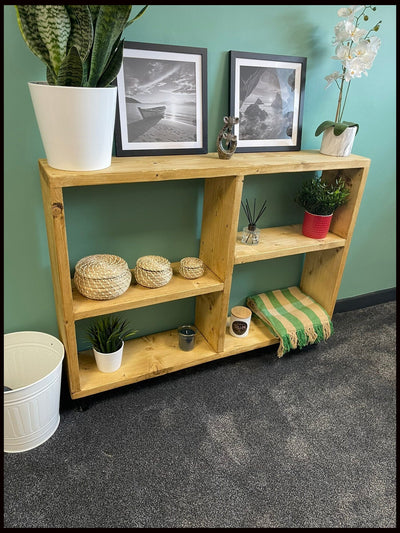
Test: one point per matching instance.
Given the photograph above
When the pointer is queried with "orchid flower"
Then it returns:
(356, 50)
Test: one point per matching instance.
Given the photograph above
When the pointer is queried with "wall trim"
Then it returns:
(365, 300)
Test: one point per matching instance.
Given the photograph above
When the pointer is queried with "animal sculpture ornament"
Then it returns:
(226, 140)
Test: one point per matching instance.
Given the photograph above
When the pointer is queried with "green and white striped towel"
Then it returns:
(294, 317)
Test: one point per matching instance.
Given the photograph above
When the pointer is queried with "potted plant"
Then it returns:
(250, 233)
(82, 47)
(107, 336)
(356, 49)
(319, 200)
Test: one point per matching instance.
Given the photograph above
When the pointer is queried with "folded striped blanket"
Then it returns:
(295, 318)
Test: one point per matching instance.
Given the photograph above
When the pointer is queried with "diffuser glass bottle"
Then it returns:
(250, 233)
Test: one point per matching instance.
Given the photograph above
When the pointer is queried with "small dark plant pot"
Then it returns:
(316, 226)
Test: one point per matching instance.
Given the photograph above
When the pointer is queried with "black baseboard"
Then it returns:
(365, 300)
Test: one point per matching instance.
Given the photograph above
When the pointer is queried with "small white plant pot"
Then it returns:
(76, 124)
(109, 362)
(338, 145)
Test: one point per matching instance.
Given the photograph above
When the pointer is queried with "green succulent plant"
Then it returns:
(81, 45)
(107, 333)
(321, 198)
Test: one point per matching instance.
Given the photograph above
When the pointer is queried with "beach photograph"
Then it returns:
(160, 100)
(266, 107)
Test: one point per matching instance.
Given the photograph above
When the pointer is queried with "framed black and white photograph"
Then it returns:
(162, 100)
(266, 94)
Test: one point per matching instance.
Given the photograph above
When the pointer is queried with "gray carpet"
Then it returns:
(306, 441)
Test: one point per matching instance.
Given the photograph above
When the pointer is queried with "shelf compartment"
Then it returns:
(283, 241)
(154, 355)
(137, 296)
(143, 358)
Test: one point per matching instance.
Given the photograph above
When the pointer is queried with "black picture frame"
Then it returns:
(267, 94)
(161, 100)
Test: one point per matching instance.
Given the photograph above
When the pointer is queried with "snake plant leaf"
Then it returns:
(110, 23)
(81, 35)
(54, 28)
(141, 12)
(71, 70)
(27, 22)
(94, 11)
(113, 67)
(322, 127)
(50, 77)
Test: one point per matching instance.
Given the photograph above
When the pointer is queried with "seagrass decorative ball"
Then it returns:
(153, 271)
(102, 276)
(191, 267)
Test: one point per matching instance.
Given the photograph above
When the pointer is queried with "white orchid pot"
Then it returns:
(338, 145)
(109, 362)
(76, 124)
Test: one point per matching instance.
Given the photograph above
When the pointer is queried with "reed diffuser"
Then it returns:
(250, 233)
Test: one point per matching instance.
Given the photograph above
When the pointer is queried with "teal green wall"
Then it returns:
(165, 218)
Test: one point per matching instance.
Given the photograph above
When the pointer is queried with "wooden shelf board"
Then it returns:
(138, 296)
(160, 168)
(154, 355)
(283, 241)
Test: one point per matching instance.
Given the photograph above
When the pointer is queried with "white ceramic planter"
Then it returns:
(76, 124)
(340, 145)
(109, 362)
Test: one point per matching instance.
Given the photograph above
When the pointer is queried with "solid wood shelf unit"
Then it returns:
(157, 354)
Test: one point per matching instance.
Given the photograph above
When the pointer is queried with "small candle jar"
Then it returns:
(250, 235)
(239, 323)
(187, 338)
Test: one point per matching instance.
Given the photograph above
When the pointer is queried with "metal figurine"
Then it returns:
(226, 136)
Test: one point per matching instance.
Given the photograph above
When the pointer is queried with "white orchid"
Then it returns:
(354, 68)
(347, 31)
(356, 50)
(342, 52)
(348, 12)
(332, 77)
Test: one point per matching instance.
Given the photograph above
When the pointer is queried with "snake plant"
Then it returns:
(81, 46)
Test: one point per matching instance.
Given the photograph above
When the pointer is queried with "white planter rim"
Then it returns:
(70, 87)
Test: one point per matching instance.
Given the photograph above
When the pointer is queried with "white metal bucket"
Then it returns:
(32, 370)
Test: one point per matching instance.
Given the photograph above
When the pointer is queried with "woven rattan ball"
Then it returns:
(153, 271)
(191, 267)
(102, 276)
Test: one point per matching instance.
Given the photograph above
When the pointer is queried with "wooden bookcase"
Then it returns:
(153, 355)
